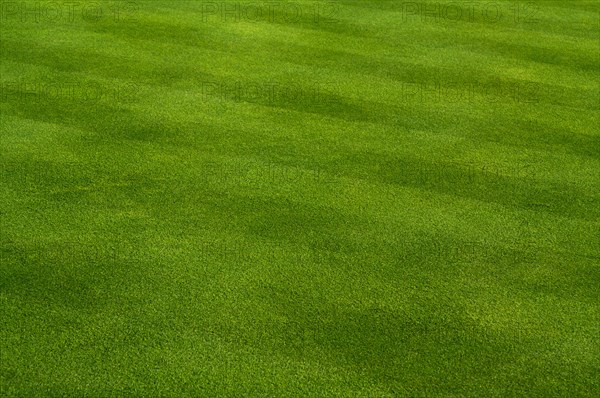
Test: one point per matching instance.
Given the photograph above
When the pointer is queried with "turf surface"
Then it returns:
(352, 199)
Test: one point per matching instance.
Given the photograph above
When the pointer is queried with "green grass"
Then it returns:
(356, 200)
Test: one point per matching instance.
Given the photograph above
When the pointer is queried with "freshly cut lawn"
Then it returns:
(300, 199)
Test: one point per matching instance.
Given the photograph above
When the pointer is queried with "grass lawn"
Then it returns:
(365, 198)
